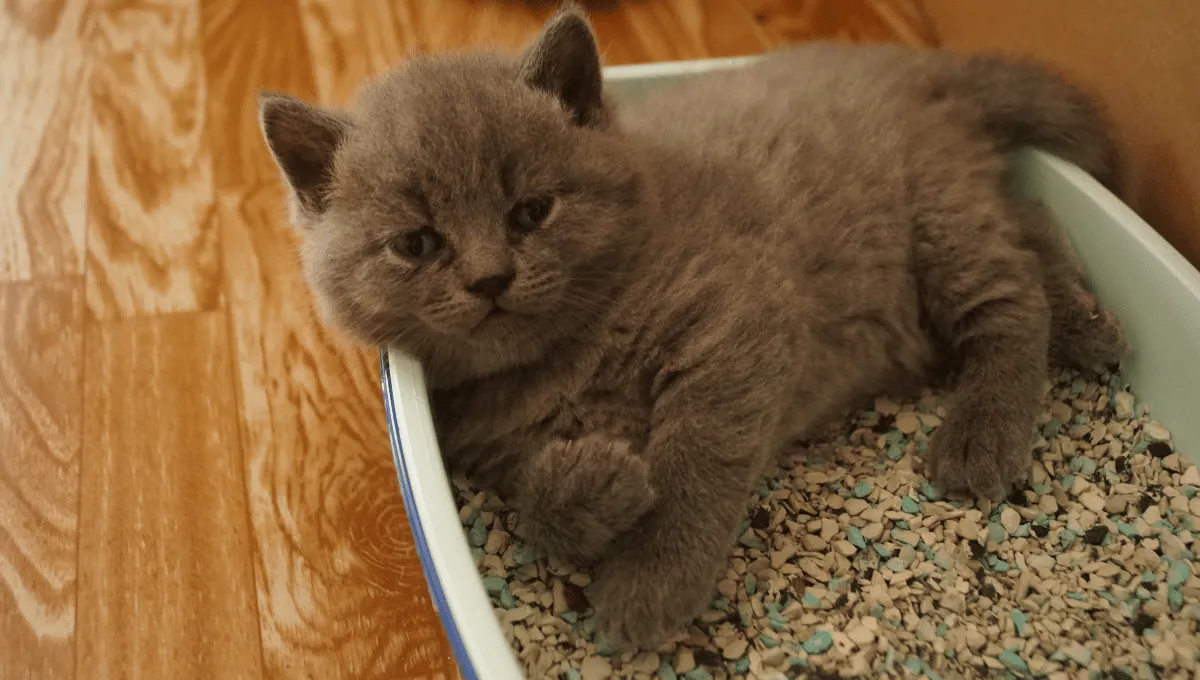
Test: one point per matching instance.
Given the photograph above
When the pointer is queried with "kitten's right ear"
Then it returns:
(303, 140)
(565, 62)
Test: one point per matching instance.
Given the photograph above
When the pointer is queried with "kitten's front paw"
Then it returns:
(643, 599)
(981, 450)
(577, 496)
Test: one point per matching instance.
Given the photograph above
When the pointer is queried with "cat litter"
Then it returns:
(850, 564)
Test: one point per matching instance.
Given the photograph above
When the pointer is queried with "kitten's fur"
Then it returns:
(728, 264)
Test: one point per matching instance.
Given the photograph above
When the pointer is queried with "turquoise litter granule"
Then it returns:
(570, 617)
(996, 532)
(751, 582)
(883, 551)
(603, 648)
(777, 621)
(572, 674)
(494, 584)
(910, 505)
(810, 600)
(929, 492)
(698, 674)
(1067, 481)
(997, 564)
(752, 542)
(507, 599)
(666, 671)
(855, 537)
(767, 641)
(894, 437)
(524, 554)
(941, 560)
(479, 533)
(863, 489)
(1178, 572)
(1127, 529)
(720, 604)
(1013, 662)
(1067, 538)
(894, 452)
(742, 665)
(819, 643)
(1079, 597)
(1022, 531)
(1051, 428)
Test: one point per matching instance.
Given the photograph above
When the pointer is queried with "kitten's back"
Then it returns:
(861, 92)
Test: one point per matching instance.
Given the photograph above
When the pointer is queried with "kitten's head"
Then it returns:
(472, 209)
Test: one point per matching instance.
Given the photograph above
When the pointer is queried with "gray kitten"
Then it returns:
(624, 314)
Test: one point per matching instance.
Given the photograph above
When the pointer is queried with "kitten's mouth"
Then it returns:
(495, 312)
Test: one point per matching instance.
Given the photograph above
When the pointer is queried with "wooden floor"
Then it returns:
(195, 479)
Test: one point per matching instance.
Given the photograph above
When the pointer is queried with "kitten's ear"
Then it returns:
(303, 140)
(565, 62)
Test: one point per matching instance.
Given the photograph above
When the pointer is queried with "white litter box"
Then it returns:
(1150, 286)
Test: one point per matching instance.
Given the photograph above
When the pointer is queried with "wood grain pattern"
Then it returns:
(43, 189)
(219, 500)
(40, 413)
(151, 239)
(341, 594)
(166, 589)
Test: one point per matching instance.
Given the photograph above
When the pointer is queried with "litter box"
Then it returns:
(1136, 273)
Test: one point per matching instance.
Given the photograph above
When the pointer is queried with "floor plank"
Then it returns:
(40, 413)
(340, 590)
(43, 154)
(151, 237)
(166, 584)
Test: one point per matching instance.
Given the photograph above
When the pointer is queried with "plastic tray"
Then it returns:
(1151, 287)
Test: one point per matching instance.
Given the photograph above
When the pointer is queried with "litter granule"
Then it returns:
(850, 564)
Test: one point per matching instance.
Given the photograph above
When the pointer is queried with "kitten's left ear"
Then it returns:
(565, 62)
(303, 140)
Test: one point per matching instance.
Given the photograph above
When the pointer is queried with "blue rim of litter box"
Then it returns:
(436, 591)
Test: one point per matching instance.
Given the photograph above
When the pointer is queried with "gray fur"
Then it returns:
(727, 266)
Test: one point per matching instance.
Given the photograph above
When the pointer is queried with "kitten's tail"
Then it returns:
(1025, 103)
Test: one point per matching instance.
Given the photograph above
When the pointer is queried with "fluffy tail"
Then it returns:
(1024, 103)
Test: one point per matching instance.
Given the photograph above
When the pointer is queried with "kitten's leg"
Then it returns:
(574, 497)
(982, 289)
(708, 445)
(1082, 333)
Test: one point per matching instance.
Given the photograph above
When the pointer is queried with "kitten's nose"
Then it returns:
(492, 287)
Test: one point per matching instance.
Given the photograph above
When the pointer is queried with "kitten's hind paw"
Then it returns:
(577, 496)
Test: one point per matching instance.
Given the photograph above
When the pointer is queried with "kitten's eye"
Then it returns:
(423, 244)
(528, 214)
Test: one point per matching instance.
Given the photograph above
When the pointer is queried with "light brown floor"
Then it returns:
(195, 479)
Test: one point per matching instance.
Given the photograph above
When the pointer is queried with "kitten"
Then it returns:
(624, 314)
